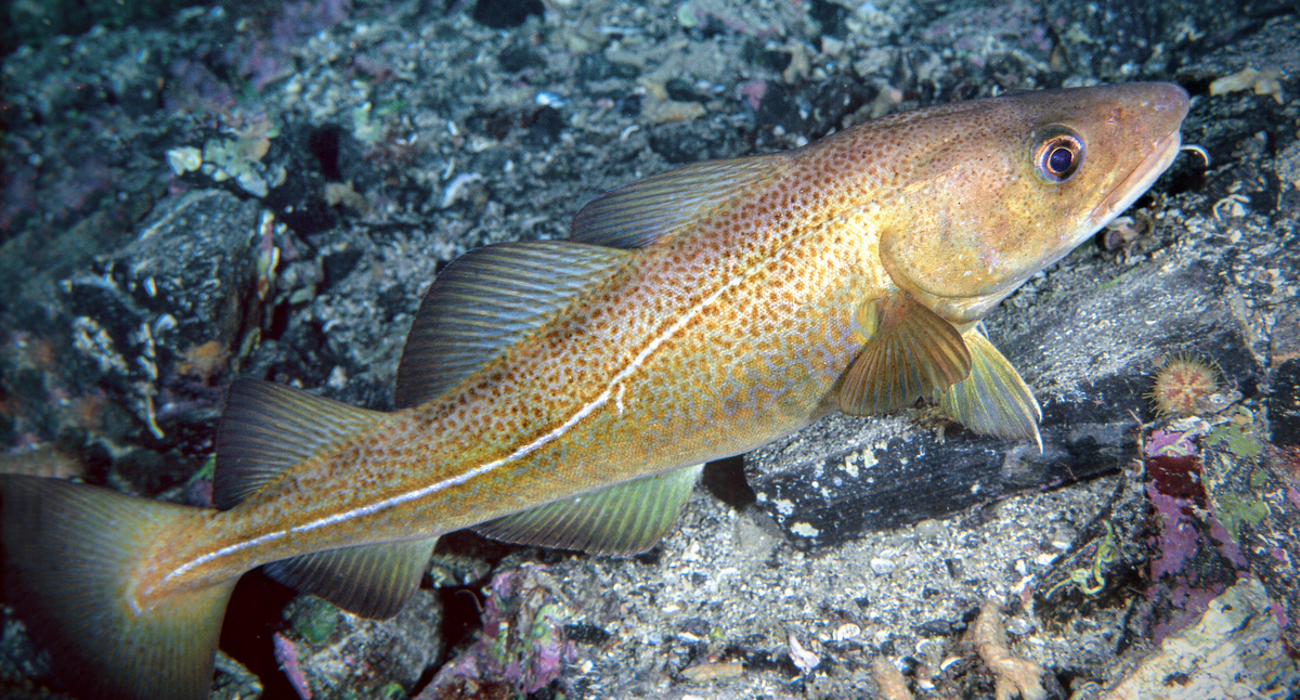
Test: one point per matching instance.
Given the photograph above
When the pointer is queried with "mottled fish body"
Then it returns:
(564, 393)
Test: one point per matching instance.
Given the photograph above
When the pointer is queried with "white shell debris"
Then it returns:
(458, 188)
(880, 565)
(550, 99)
(184, 159)
(803, 659)
(846, 632)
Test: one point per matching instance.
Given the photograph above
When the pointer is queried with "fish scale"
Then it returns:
(566, 393)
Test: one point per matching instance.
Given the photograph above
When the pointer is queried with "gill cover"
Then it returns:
(1028, 180)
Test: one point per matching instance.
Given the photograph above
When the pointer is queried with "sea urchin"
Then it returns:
(1184, 386)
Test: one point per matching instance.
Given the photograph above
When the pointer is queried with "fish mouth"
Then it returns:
(1138, 181)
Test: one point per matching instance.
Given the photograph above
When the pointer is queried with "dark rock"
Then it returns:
(311, 157)
(834, 100)
(146, 471)
(589, 635)
(495, 124)
(339, 264)
(697, 626)
(504, 14)
(324, 143)
(775, 61)
(167, 317)
(1284, 404)
(630, 106)
(764, 660)
(545, 127)
(685, 91)
(596, 68)
(725, 479)
(783, 107)
(517, 57)
(831, 16)
(679, 142)
(935, 628)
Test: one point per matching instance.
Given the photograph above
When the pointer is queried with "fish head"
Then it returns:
(1001, 188)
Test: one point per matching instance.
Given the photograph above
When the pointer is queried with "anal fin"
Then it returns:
(621, 520)
(993, 399)
(372, 581)
(912, 352)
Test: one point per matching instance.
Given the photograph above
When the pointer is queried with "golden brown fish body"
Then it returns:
(563, 392)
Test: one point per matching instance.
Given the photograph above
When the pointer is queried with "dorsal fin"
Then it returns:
(489, 299)
(993, 400)
(912, 352)
(650, 210)
(621, 520)
(267, 428)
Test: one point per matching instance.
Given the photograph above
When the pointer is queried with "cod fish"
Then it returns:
(566, 393)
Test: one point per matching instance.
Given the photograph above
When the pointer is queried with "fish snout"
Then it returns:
(1170, 99)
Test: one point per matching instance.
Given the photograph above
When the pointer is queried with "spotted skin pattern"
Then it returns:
(722, 336)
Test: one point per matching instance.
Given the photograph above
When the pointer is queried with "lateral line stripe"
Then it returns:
(465, 477)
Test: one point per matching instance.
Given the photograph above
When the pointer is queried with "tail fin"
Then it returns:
(68, 553)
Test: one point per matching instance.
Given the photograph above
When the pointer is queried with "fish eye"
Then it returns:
(1059, 155)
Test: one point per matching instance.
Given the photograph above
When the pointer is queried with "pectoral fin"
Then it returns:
(993, 400)
(622, 520)
(911, 352)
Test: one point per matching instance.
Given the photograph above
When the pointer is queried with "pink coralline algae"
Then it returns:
(523, 643)
(1196, 558)
(1178, 538)
(265, 57)
(286, 654)
(968, 30)
(752, 92)
(1170, 443)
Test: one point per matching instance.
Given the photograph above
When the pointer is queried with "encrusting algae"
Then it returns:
(565, 393)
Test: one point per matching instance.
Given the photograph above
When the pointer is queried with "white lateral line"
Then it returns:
(377, 506)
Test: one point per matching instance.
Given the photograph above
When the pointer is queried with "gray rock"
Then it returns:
(160, 323)
(340, 655)
(1236, 644)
